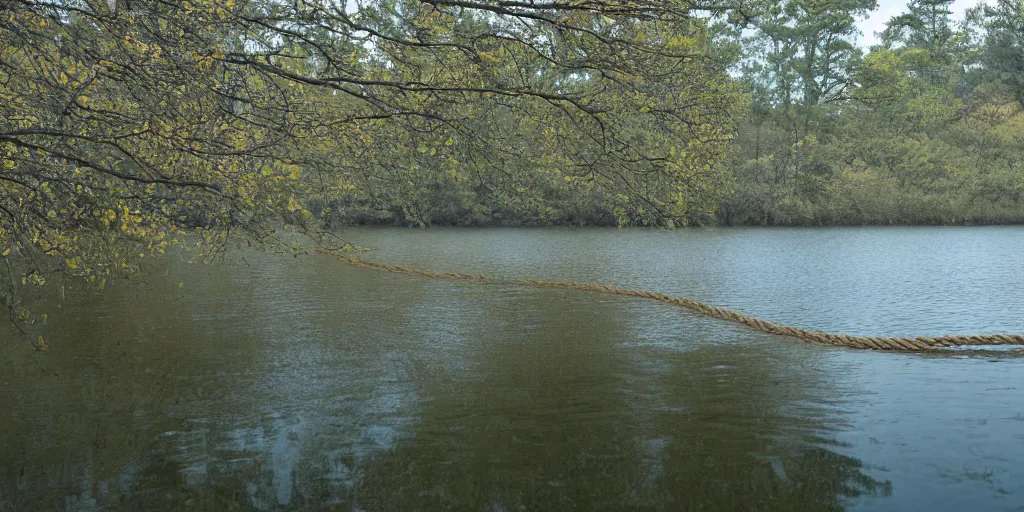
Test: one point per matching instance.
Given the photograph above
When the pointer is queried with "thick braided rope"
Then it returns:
(921, 343)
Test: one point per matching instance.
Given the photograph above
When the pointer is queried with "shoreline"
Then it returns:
(1008, 222)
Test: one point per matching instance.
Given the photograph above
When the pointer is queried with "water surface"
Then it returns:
(272, 382)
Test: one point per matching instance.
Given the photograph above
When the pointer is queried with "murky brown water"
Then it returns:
(271, 382)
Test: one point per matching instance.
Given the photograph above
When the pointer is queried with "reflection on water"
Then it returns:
(270, 382)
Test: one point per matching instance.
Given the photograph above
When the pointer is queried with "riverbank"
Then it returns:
(609, 220)
(845, 206)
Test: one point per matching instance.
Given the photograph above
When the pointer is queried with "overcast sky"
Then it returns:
(887, 9)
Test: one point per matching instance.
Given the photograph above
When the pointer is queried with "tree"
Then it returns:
(1003, 51)
(803, 51)
(798, 67)
(123, 124)
(926, 26)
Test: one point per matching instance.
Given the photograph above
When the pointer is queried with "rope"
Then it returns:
(920, 343)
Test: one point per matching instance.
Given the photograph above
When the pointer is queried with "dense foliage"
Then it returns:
(927, 127)
(124, 124)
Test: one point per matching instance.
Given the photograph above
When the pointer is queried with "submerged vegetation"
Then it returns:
(125, 125)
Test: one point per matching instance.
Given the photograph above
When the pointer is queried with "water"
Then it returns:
(272, 382)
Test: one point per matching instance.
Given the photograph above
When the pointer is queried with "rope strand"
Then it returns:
(918, 344)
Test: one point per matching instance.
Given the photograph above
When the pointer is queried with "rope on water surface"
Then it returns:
(917, 344)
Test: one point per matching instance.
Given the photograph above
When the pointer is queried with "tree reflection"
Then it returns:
(565, 414)
(321, 388)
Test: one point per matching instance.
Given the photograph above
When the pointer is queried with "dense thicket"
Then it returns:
(926, 127)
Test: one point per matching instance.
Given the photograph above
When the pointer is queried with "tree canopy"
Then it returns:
(124, 124)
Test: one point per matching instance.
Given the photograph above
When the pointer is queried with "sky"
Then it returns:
(889, 8)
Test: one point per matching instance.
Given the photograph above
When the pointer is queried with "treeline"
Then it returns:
(925, 128)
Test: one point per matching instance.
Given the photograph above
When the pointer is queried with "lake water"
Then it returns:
(274, 382)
